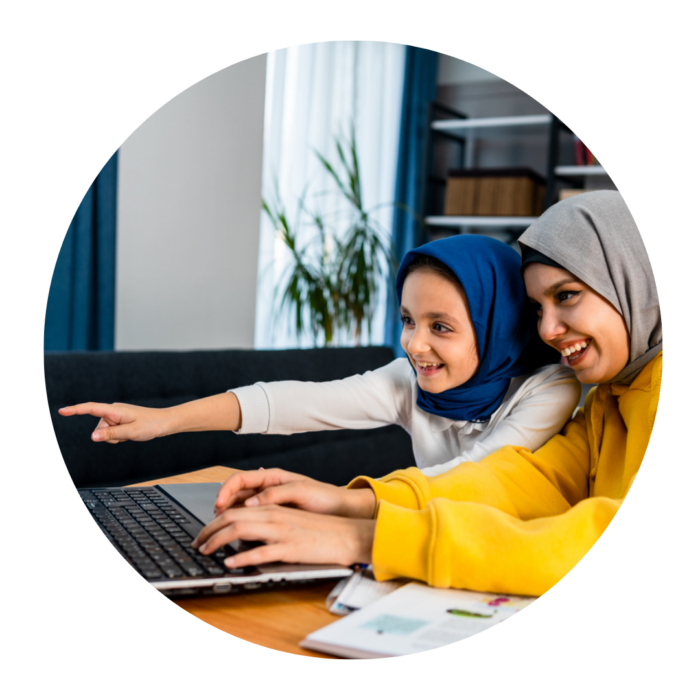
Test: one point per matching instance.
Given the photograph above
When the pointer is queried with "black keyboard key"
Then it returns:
(161, 556)
(192, 569)
(204, 561)
(171, 571)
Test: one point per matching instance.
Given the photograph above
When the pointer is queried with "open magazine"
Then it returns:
(413, 618)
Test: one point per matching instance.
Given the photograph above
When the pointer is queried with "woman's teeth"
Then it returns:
(428, 365)
(577, 347)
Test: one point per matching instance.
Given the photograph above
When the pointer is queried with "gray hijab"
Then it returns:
(593, 235)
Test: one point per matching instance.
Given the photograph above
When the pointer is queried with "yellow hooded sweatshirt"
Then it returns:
(517, 522)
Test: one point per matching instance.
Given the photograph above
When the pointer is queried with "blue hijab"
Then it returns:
(504, 321)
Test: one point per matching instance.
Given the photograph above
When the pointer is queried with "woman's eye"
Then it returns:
(440, 328)
(565, 296)
(406, 320)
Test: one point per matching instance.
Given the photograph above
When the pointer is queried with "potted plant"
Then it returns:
(332, 284)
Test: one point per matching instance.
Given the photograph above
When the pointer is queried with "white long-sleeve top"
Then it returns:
(535, 407)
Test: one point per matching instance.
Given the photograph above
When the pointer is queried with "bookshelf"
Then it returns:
(450, 129)
(459, 128)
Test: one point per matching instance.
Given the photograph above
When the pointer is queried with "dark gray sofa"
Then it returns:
(161, 379)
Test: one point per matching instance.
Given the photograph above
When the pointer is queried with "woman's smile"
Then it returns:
(584, 327)
(574, 351)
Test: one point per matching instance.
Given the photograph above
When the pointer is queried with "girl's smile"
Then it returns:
(428, 369)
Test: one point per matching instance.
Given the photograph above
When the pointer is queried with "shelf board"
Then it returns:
(467, 125)
(640, 136)
(485, 221)
(580, 170)
(631, 168)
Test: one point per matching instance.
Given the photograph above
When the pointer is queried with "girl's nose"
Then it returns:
(418, 342)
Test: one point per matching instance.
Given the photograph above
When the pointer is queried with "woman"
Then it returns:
(516, 521)
(473, 379)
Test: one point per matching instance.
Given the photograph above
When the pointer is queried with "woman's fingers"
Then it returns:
(230, 492)
(240, 497)
(265, 554)
(289, 535)
(241, 529)
(295, 492)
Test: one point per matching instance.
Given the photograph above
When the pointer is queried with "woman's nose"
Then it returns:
(551, 326)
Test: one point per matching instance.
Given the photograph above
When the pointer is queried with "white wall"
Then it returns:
(188, 217)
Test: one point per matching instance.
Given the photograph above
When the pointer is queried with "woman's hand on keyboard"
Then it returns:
(120, 421)
(267, 487)
(289, 535)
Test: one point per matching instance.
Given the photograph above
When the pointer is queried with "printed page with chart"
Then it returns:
(413, 618)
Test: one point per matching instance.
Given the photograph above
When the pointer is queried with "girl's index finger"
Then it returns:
(99, 410)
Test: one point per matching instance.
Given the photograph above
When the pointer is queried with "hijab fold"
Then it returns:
(593, 235)
(504, 321)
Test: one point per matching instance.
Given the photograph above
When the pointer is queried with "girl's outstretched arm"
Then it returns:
(120, 421)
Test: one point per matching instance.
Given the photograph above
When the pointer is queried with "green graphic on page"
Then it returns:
(468, 613)
(393, 624)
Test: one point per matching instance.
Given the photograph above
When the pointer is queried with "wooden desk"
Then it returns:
(274, 619)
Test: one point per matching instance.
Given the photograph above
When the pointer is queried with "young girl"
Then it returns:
(515, 522)
(476, 376)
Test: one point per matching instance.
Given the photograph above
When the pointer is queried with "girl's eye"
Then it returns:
(440, 328)
(406, 320)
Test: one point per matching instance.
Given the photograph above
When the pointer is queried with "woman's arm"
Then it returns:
(470, 545)
(545, 406)
(513, 479)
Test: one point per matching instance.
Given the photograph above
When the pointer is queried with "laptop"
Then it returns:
(153, 527)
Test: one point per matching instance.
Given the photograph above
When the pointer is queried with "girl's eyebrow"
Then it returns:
(435, 315)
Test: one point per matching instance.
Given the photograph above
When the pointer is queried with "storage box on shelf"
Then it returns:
(489, 199)
(494, 192)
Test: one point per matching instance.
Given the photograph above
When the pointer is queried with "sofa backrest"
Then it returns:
(160, 379)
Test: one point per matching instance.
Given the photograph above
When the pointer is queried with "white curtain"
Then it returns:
(314, 93)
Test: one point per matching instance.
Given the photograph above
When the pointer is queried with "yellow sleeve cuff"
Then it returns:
(400, 488)
(414, 529)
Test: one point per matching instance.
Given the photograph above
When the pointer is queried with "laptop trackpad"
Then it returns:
(198, 499)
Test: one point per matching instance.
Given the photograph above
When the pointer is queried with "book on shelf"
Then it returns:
(582, 154)
(494, 192)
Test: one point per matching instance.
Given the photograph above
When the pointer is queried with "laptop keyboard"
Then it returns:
(148, 531)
